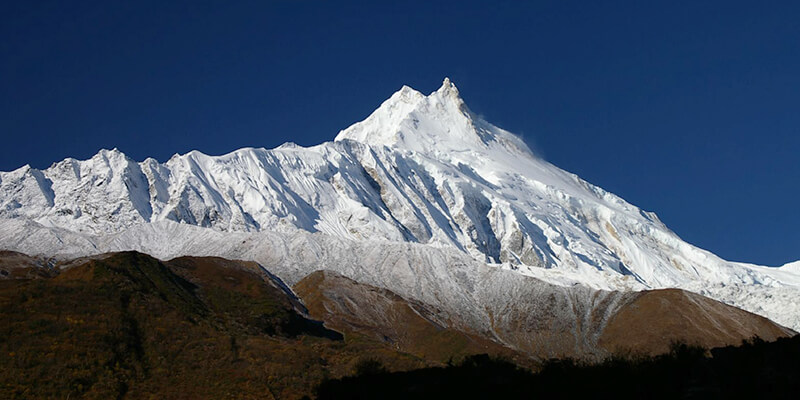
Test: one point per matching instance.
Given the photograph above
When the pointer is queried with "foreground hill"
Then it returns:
(644, 323)
(126, 325)
(410, 326)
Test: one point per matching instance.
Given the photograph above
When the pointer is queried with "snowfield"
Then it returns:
(420, 185)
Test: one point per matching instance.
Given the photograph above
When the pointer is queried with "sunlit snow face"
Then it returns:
(420, 169)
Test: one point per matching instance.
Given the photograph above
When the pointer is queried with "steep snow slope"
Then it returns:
(420, 169)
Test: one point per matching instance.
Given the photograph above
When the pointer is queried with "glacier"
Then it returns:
(421, 172)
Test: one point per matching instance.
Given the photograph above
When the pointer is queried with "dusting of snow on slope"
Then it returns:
(420, 169)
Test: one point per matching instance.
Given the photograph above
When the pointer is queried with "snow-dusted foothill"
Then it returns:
(420, 169)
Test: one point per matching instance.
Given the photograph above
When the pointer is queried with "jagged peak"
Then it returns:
(406, 94)
(25, 169)
(113, 154)
(113, 151)
(439, 123)
(449, 89)
(410, 96)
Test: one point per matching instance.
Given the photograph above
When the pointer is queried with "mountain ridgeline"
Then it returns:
(419, 237)
(420, 169)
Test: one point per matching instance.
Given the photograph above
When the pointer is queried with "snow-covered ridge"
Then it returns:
(420, 169)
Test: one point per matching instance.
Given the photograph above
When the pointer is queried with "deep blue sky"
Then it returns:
(689, 109)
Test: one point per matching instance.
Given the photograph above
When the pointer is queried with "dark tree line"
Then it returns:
(755, 369)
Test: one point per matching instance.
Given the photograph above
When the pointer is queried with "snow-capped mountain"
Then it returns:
(420, 169)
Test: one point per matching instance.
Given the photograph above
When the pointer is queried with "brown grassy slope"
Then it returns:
(647, 322)
(130, 326)
(657, 318)
(15, 265)
(361, 310)
(126, 325)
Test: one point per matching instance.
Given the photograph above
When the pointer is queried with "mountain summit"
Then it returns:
(440, 124)
(420, 171)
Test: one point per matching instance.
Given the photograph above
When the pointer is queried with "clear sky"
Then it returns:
(690, 109)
